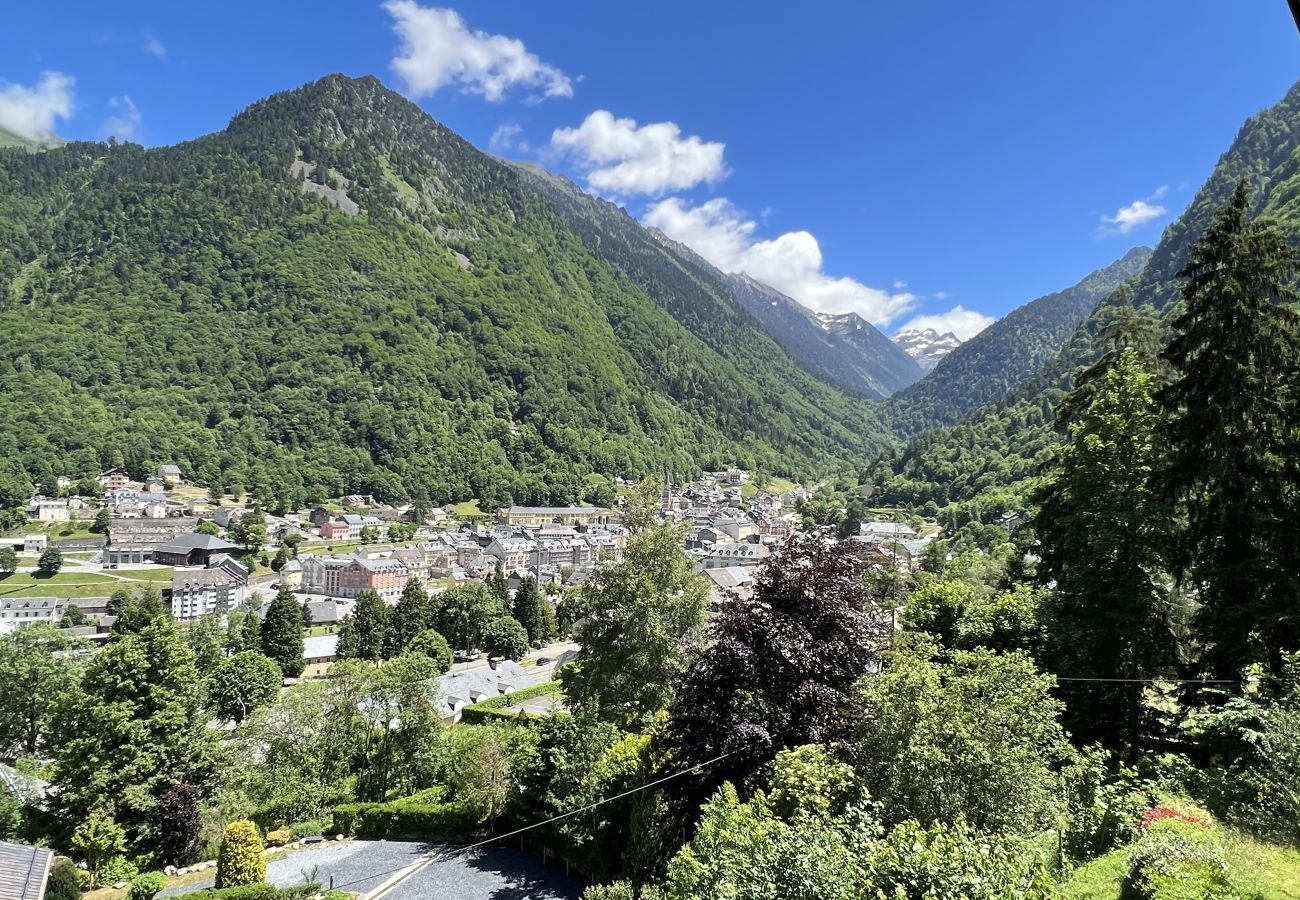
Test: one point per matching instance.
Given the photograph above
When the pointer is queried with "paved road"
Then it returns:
(361, 866)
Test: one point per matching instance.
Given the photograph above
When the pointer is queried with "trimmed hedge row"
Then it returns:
(257, 892)
(1178, 859)
(495, 707)
(404, 818)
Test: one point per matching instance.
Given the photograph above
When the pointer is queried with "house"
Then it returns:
(155, 485)
(879, 532)
(336, 530)
(324, 612)
(319, 653)
(129, 503)
(24, 871)
(27, 543)
(116, 477)
(43, 509)
(225, 516)
(733, 553)
(291, 574)
(22, 612)
(457, 690)
(514, 553)
(191, 549)
(729, 581)
(570, 515)
(219, 586)
(171, 472)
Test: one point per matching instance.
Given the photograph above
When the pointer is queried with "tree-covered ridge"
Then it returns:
(222, 304)
(1010, 350)
(988, 461)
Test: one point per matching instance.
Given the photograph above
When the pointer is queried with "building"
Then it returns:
(133, 541)
(27, 543)
(566, 515)
(879, 532)
(336, 530)
(172, 473)
(220, 586)
(24, 871)
(22, 612)
(225, 516)
(191, 549)
(43, 509)
(348, 576)
(116, 477)
(318, 654)
(730, 554)
(457, 690)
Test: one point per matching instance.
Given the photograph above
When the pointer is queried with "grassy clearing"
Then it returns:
(781, 485)
(1264, 870)
(748, 489)
(469, 508)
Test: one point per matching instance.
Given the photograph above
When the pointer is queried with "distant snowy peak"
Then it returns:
(846, 323)
(926, 347)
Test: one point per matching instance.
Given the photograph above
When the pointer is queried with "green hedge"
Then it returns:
(495, 708)
(404, 818)
(1178, 860)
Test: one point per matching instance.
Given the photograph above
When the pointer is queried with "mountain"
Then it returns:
(336, 293)
(987, 462)
(926, 346)
(1008, 351)
(846, 350)
(9, 139)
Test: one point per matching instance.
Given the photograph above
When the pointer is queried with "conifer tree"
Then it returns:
(528, 609)
(412, 615)
(361, 636)
(282, 633)
(1231, 419)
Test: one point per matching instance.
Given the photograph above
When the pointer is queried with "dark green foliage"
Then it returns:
(1007, 352)
(8, 559)
(504, 636)
(433, 645)
(528, 609)
(413, 615)
(63, 883)
(405, 819)
(917, 863)
(361, 635)
(1232, 412)
(37, 670)
(135, 612)
(258, 892)
(1176, 859)
(281, 635)
(103, 519)
(244, 683)
(50, 562)
(453, 339)
(146, 885)
(495, 707)
(464, 613)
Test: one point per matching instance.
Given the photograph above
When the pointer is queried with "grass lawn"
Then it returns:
(469, 508)
(68, 585)
(781, 485)
(748, 489)
(1266, 870)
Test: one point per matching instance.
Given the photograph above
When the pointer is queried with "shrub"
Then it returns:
(115, 869)
(241, 860)
(494, 708)
(63, 883)
(915, 863)
(279, 837)
(1103, 811)
(261, 891)
(1178, 859)
(146, 885)
(404, 818)
(310, 828)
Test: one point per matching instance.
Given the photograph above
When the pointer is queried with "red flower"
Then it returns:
(1164, 812)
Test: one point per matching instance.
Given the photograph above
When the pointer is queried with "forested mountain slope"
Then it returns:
(337, 293)
(988, 461)
(1008, 351)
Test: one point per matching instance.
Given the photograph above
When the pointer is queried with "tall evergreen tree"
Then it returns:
(528, 609)
(1103, 528)
(361, 636)
(1231, 417)
(282, 633)
(412, 615)
(497, 585)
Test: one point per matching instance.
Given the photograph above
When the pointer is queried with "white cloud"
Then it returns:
(124, 123)
(438, 50)
(1136, 214)
(30, 112)
(899, 284)
(963, 322)
(791, 262)
(620, 157)
(504, 137)
(155, 47)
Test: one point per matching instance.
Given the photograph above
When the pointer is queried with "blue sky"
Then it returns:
(897, 159)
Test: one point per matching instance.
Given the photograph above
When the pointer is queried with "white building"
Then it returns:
(218, 587)
(20, 613)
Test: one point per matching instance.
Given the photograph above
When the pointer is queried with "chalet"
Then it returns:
(225, 516)
(113, 478)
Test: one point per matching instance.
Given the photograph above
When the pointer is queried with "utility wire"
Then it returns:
(450, 854)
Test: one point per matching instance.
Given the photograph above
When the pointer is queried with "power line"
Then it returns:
(451, 854)
(1156, 680)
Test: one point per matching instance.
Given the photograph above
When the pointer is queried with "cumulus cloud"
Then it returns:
(124, 123)
(155, 47)
(1136, 214)
(506, 136)
(963, 322)
(30, 112)
(791, 262)
(620, 157)
(438, 49)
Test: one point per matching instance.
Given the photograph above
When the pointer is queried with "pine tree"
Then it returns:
(361, 636)
(497, 585)
(1103, 528)
(528, 609)
(1231, 417)
(282, 633)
